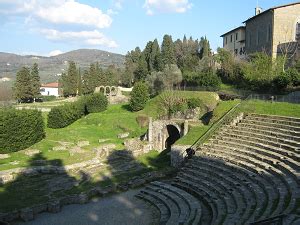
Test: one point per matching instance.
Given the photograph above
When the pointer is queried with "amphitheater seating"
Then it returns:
(245, 173)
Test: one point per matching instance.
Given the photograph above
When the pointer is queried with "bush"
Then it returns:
(282, 81)
(194, 103)
(62, 116)
(19, 129)
(294, 76)
(48, 98)
(96, 103)
(139, 96)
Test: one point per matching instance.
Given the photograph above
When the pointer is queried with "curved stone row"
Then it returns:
(246, 172)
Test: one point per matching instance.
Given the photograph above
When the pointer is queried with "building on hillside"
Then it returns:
(234, 41)
(50, 89)
(274, 31)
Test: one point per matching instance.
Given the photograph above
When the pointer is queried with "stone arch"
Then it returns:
(113, 90)
(108, 90)
(163, 134)
(102, 89)
(173, 135)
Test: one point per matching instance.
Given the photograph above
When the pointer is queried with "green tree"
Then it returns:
(141, 71)
(79, 83)
(139, 96)
(168, 51)
(23, 85)
(70, 80)
(156, 56)
(35, 81)
(205, 50)
(87, 83)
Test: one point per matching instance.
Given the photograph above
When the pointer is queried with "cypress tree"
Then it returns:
(168, 51)
(23, 86)
(35, 81)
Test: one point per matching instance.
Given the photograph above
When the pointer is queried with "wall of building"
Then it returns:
(259, 33)
(46, 91)
(235, 45)
(285, 21)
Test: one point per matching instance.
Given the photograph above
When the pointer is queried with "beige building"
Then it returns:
(234, 41)
(274, 31)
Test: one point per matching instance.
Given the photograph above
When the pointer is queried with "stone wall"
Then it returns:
(178, 154)
(259, 33)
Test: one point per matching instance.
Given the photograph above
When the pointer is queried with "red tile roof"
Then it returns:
(51, 85)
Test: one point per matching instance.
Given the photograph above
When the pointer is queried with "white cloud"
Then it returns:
(86, 37)
(55, 53)
(58, 12)
(163, 6)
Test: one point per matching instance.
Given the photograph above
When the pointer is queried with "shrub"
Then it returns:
(194, 103)
(282, 81)
(19, 129)
(96, 103)
(48, 98)
(139, 96)
(62, 116)
(294, 76)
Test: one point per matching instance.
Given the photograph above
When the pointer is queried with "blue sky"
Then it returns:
(50, 27)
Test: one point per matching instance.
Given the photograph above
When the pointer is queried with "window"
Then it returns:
(236, 36)
(42, 90)
(235, 51)
(226, 40)
(230, 38)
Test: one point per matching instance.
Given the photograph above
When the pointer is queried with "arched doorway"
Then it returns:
(173, 136)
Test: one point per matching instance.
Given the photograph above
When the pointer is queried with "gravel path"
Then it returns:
(118, 209)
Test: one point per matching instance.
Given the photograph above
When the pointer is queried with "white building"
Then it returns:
(50, 89)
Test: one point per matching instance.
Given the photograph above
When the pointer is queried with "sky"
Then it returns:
(51, 27)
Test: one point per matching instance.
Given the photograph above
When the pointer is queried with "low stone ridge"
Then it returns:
(55, 205)
(4, 156)
(123, 135)
(31, 152)
(247, 172)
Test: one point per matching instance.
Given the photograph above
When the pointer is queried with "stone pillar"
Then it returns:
(150, 132)
(177, 155)
(185, 127)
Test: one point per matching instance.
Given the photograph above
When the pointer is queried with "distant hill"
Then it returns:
(50, 67)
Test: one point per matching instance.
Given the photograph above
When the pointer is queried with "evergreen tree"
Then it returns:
(139, 96)
(141, 71)
(87, 87)
(23, 86)
(168, 51)
(148, 56)
(35, 81)
(70, 80)
(156, 56)
(79, 83)
(204, 48)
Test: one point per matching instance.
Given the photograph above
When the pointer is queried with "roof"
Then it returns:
(51, 85)
(270, 9)
(231, 31)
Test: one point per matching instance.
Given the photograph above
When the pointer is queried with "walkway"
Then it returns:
(121, 208)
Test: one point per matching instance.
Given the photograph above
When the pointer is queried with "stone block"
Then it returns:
(54, 206)
(26, 214)
(123, 135)
(39, 208)
(83, 198)
(83, 143)
(4, 156)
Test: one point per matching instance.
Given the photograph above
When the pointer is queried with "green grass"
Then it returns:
(222, 108)
(275, 108)
(152, 107)
(193, 135)
(106, 125)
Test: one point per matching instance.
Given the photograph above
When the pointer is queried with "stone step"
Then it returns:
(260, 139)
(286, 118)
(265, 128)
(160, 206)
(283, 163)
(172, 207)
(193, 204)
(253, 191)
(276, 137)
(274, 120)
(207, 207)
(235, 201)
(266, 152)
(183, 208)
(216, 205)
(295, 129)
(256, 167)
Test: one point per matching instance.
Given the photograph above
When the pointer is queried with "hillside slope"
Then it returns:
(51, 66)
